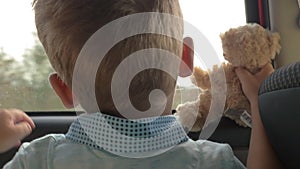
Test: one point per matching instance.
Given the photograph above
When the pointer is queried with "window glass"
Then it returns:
(211, 18)
(24, 67)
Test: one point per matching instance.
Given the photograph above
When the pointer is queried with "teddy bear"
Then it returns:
(249, 46)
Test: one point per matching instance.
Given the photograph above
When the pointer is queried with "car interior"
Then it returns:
(278, 98)
(279, 108)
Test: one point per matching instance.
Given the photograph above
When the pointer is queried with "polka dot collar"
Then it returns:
(118, 135)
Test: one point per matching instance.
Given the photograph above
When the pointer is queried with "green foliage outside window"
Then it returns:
(24, 84)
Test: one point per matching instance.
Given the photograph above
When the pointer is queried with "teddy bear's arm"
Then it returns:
(201, 78)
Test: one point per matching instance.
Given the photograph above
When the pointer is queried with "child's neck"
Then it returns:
(115, 113)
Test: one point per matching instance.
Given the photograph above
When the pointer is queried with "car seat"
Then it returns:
(279, 106)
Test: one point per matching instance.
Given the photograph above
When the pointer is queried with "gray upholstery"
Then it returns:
(279, 105)
(283, 78)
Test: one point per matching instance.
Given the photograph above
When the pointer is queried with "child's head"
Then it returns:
(65, 25)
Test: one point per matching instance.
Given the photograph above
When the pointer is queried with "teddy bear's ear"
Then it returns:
(222, 36)
(274, 39)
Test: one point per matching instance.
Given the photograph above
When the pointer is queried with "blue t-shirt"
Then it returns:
(102, 141)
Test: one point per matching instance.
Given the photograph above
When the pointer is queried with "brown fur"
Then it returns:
(249, 46)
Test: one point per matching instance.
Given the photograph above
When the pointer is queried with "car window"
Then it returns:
(24, 67)
(210, 18)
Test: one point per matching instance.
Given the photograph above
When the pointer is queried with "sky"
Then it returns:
(17, 25)
(211, 17)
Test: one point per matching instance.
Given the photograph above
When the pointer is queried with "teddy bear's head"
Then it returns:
(250, 46)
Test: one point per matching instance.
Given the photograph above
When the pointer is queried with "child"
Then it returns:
(15, 125)
(108, 139)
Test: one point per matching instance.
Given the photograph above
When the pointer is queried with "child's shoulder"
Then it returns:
(214, 155)
(210, 146)
(205, 149)
(35, 154)
(43, 142)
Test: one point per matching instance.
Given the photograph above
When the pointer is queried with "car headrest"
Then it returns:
(279, 106)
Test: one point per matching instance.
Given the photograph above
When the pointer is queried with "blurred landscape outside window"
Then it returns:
(24, 67)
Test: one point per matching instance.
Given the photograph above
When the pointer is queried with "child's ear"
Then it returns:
(62, 90)
(187, 61)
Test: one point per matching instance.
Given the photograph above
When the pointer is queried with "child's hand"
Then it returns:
(261, 154)
(14, 126)
(251, 83)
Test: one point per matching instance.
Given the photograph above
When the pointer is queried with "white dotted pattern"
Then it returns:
(117, 135)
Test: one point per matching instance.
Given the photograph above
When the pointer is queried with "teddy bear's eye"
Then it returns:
(224, 54)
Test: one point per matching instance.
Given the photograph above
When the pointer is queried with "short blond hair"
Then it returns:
(65, 25)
